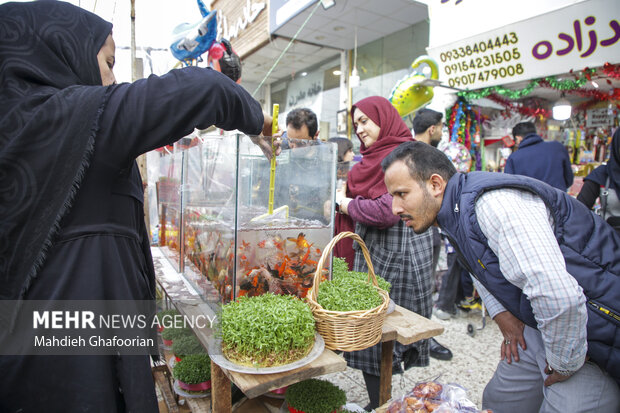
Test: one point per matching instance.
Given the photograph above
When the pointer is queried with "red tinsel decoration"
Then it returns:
(597, 94)
(611, 70)
(524, 110)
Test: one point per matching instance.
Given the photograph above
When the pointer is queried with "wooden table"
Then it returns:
(402, 325)
(406, 327)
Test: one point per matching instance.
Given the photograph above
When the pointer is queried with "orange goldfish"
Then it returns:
(300, 241)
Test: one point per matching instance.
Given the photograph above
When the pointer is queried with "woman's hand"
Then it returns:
(266, 142)
(342, 201)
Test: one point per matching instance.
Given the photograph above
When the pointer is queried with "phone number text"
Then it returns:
(486, 75)
(483, 61)
(481, 47)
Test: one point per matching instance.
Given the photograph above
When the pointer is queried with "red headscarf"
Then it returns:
(366, 177)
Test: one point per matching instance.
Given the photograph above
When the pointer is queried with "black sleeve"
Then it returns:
(589, 192)
(159, 110)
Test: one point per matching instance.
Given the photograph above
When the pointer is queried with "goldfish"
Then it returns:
(300, 241)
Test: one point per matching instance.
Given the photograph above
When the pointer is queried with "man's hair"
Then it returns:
(422, 160)
(344, 146)
(303, 116)
(523, 129)
(424, 119)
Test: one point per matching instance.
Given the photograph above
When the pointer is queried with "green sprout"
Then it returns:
(340, 268)
(193, 369)
(315, 396)
(187, 345)
(175, 333)
(266, 330)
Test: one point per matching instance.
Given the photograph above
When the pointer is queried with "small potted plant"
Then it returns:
(165, 316)
(170, 334)
(193, 373)
(185, 346)
(315, 396)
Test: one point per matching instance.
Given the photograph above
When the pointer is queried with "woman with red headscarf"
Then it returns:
(399, 255)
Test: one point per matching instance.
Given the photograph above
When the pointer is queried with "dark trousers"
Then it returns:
(450, 291)
(372, 387)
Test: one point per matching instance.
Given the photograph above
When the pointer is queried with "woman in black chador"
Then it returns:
(71, 200)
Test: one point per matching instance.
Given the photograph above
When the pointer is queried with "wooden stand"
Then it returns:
(402, 325)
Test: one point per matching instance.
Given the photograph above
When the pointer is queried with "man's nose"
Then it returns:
(396, 208)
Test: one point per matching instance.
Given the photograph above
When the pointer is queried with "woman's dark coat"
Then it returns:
(71, 198)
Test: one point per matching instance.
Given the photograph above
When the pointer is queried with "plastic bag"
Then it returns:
(434, 397)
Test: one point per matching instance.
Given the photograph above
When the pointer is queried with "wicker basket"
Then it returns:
(348, 330)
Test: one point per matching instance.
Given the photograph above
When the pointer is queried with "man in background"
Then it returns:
(428, 126)
(545, 161)
(301, 123)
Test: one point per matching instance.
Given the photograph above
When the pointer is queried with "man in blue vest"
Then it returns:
(547, 268)
(546, 161)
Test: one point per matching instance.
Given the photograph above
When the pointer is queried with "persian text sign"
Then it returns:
(582, 35)
(598, 117)
(306, 92)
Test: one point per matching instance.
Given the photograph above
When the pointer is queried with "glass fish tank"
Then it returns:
(249, 230)
(169, 201)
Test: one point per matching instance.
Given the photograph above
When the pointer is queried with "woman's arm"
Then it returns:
(374, 212)
(159, 110)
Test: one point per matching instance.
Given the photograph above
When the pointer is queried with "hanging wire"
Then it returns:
(318, 3)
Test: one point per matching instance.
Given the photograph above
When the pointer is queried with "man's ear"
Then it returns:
(437, 185)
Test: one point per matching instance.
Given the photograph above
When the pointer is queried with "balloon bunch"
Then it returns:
(464, 127)
(456, 123)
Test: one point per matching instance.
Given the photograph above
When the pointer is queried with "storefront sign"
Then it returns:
(305, 92)
(249, 13)
(582, 35)
(598, 118)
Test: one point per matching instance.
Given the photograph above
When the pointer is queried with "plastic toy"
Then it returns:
(409, 94)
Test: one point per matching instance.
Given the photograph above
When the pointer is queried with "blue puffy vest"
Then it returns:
(591, 250)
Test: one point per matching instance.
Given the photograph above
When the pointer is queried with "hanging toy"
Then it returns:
(225, 60)
(190, 41)
(409, 95)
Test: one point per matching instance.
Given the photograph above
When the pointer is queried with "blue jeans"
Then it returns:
(518, 387)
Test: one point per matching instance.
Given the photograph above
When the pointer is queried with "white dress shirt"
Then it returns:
(519, 229)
